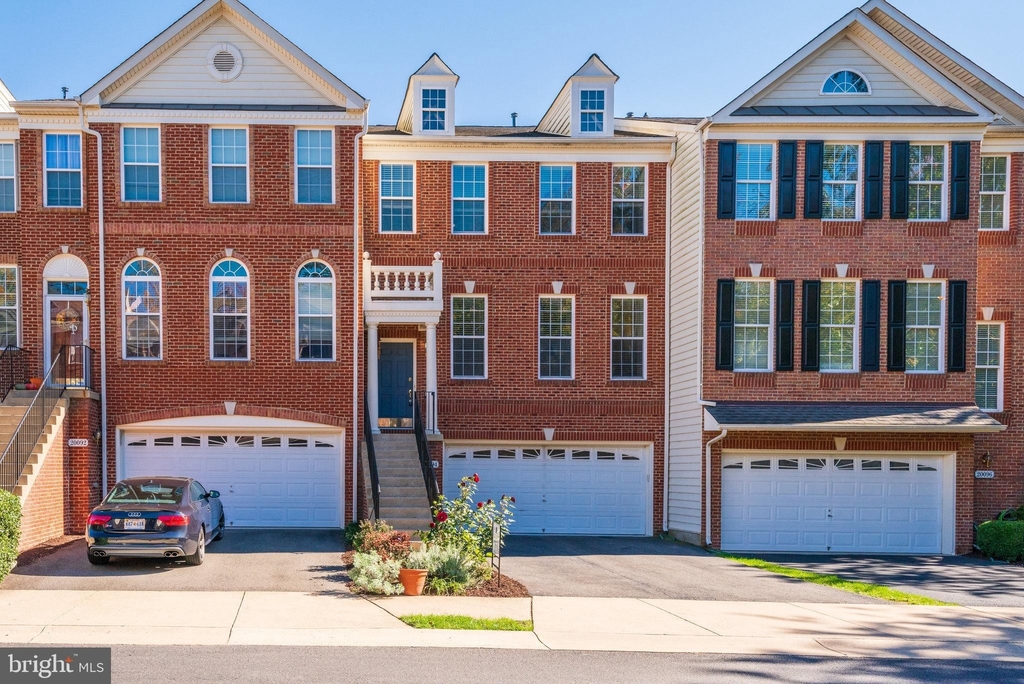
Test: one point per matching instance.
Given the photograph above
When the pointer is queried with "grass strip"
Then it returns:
(466, 622)
(836, 582)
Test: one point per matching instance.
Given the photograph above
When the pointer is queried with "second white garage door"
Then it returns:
(560, 490)
(265, 480)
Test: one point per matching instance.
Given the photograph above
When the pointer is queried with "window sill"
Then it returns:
(456, 236)
(564, 236)
(838, 380)
(468, 382)
(753, 379)
(928, 228)
(66, 210)
(756, 227)
(630, 235)
(924, 381)
(398, 232)
(229, 363)
(549, 382)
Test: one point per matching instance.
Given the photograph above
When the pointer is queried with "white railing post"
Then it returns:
(372, 393)
(367, 279)
(438, 284)
(431, 420)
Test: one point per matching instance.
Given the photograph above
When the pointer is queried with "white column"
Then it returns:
(372, 393)
(432, 376)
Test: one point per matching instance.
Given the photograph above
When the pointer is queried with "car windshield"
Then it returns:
(146, 492)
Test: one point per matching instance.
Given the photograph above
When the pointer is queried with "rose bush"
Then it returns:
(465, 524)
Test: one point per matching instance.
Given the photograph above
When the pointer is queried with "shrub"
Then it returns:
(353, 534)
(1002, 539)
(10, 531)
(373, 574)
(466, 524)
(449, 569)
(444, 587)
(380, 537)
(1012, 514)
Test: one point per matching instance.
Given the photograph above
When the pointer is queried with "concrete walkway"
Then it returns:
(588, 624)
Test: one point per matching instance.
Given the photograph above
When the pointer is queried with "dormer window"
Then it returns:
(591, 111)
(845, 82)
(433, 109)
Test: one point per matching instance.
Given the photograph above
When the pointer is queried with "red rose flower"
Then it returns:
(513, 499)
(479, 504)
(442, 516)
(490, 501)
(432, 525)
(476, 478)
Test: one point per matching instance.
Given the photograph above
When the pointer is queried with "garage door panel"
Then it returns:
(788, 488)
(872, 489)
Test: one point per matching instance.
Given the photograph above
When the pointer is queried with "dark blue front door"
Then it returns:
(395, 381)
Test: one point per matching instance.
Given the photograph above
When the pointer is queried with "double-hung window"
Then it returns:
(927, 182)
(7, 194)
(988, 371)
(433, 108)
(754, 181)
(229, 311)
(629, 200)
(753, 309)
(556, 200)
(142, 310)
(994, 186)
(314, 311)
(837, 346)
(469, 337)
(229, 165)
(629, 338)
(591, 111)
(314, 166)
(63, 176)
(8, 306)
(396, 198)
(469, 198)
(140, 149)
(556, 333)
(924, 326)
(840, 178)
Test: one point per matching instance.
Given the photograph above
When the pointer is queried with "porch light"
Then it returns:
(986, 460)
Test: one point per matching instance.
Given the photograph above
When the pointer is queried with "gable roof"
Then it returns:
(163, 46)
(556, 118)
(434, 66)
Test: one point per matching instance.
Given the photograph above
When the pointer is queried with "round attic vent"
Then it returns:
(224, 62)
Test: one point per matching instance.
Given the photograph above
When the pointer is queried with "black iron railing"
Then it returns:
(79, 367)
(23, 443)
(13, 369)
(371, 456)
(429, 479)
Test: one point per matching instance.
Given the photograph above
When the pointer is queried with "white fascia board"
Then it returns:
(231, 116)
(710, 424)
(229, 422)
(843, 428)
(544, 150)
(997, 144)
(837, 130)
(640, 125)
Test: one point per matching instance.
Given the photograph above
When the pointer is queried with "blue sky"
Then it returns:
(682, 57)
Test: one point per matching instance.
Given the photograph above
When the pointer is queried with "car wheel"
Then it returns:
(220, 530)
(97, 560)
(199, 556)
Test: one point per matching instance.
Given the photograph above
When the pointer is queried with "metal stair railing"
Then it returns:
(429, 479)
(13, 369)
(371, 457)
(17, 452)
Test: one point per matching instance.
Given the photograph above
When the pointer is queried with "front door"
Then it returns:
(67, 327)
(395, 379)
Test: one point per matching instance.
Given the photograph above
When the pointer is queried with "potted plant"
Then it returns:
(413, 575)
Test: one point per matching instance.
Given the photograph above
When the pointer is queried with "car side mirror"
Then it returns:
(214, 494)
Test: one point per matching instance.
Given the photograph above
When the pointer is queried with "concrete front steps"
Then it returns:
(403, 496)
(12, 411)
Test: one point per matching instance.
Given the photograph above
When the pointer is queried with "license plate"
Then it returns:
(134, 524)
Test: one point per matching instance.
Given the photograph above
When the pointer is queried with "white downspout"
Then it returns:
(668, 334)
(103, 293)
(707, 484)
(700, 332)
(356, 341)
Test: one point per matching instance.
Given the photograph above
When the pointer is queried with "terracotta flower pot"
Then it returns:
(36, 381)
(412, 580)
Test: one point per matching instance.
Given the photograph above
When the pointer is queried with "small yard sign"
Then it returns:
(496, 547)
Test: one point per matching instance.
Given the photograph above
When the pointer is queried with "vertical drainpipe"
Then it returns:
(103, 293)
(355, 315)
(668, 332)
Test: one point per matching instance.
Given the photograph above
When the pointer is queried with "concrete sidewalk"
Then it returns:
(587, 624)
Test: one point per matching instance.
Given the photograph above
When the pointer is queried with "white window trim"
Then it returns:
(487, 196)
(159, 280)
(334, 178)
(248, 163)
(859, 185)
(424, 110)
(942, 328)
(605, 118)
(771, 326)
(18, 309)
(612, 338)
(856, 325)
(159, 164)
(1005, 194)
(647, 184)
(572, 338)
(1002, 363)
(14, 177)
(451, 360)
(381, 198)
(81, 172)
(821, 91)
(541, 199)
(772, 198)
(334, 311)
(944, 211)
(248, 308)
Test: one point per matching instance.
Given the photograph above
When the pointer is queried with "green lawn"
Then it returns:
(836, 582)
(466, 622)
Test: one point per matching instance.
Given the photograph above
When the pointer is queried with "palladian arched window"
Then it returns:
(229, 311)
(845, 82)
(142, 310)
(314, 311)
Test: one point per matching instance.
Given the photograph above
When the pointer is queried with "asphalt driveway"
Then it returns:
(244, 560)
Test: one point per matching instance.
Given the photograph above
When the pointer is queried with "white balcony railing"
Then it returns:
(414, 288)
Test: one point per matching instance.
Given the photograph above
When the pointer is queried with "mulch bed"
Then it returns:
(509, 588)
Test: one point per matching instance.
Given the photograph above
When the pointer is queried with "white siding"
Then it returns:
(558, 119)
(183, 77)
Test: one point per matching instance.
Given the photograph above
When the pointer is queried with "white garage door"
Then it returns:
(860, 504)
(564, 490)
(265, 480)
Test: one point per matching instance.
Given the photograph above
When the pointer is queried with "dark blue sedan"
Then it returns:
(155, 517)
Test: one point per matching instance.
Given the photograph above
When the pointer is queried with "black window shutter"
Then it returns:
(873, 151)
(784, 320)
(814, 153)
(810, 360)
(726, 179)
(957, 321)
(897, 325)
(723, 328)
(960, 204)
(870, 323)
(899, 180)
(787, 179)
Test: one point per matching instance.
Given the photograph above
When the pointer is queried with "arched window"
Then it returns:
(229, 311)
(845, 82)
(314, 311)
(142, 310)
